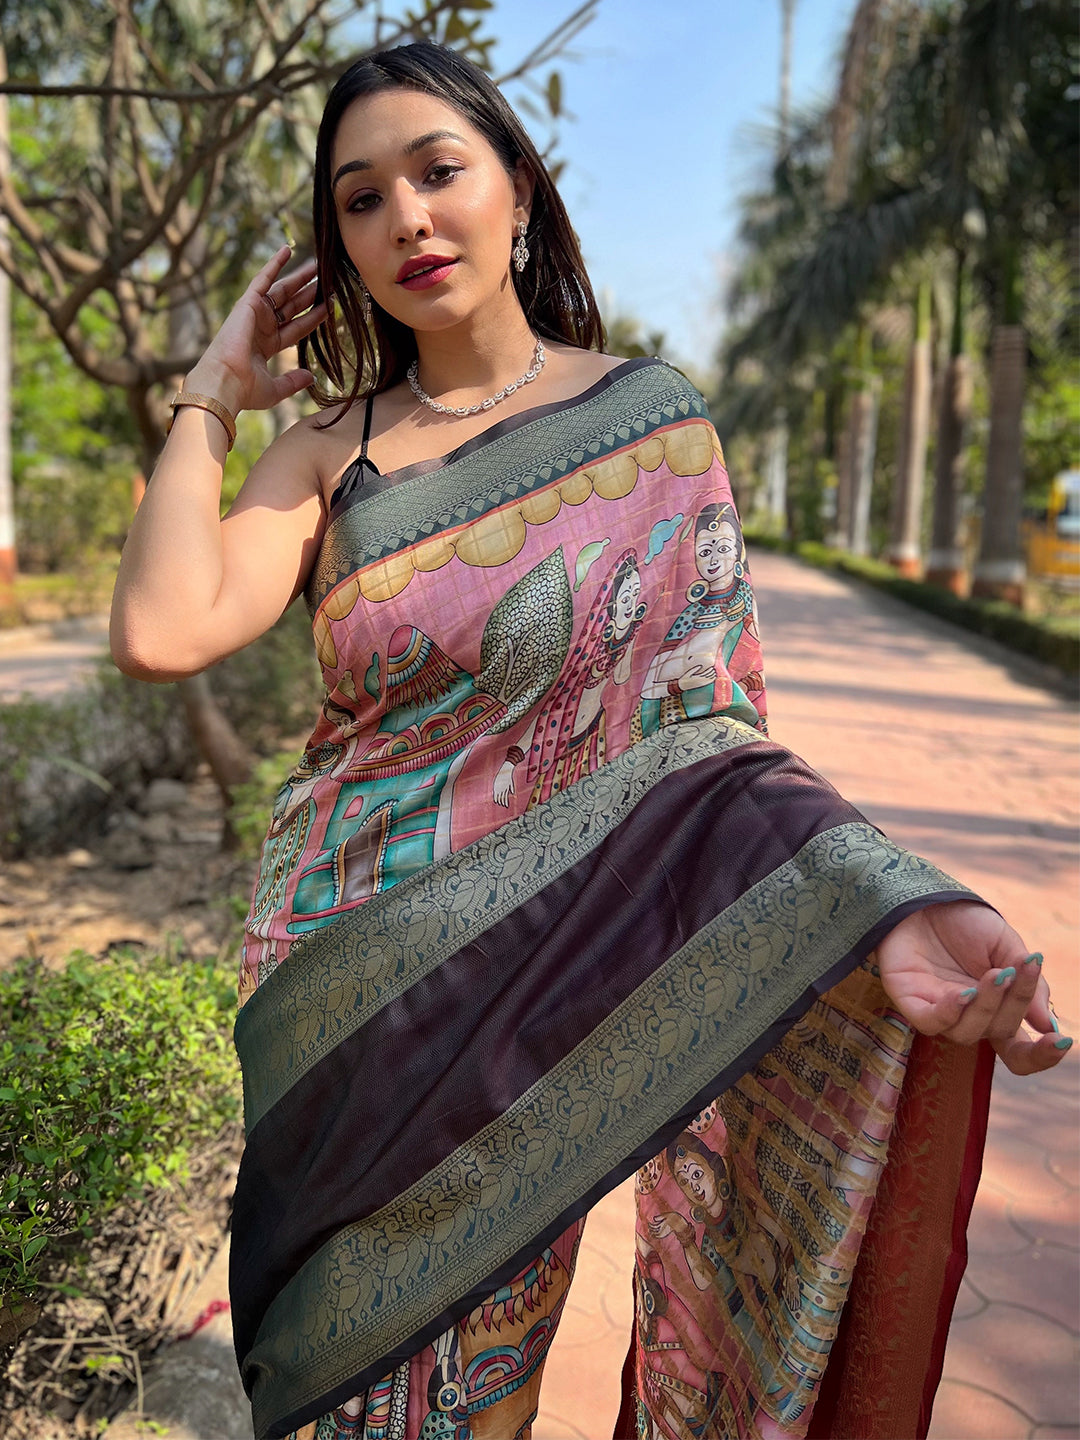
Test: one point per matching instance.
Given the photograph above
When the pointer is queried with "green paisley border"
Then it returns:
(378, 1282)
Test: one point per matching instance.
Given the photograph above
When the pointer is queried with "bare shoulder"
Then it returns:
(320, 446)
(583, 366)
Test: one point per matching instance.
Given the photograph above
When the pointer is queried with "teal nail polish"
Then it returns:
(1054, 1023)
(967, 994)
(1063, 1043)
(1009, 973)
(1036, 956)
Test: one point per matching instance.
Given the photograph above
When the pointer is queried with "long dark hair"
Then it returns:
(554, 289)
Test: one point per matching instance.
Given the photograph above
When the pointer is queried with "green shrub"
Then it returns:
(112, 1073)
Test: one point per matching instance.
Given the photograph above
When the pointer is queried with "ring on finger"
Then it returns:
(279, 317)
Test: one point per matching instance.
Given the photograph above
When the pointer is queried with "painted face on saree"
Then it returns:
(716, 553)
(625, 602)
(426, 208)
(697, 1182)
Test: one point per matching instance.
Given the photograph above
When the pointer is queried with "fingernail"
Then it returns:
(1036, 956)
(1063, 1043)
(967, 994)
(1009, 973)
(1054, 1023)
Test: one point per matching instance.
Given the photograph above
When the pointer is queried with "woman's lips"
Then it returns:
(424, 279)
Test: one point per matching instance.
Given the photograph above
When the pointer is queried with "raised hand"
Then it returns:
(274, 312)
(961, 971)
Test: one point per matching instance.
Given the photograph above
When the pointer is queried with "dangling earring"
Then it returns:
(521, 250)
(365, 303)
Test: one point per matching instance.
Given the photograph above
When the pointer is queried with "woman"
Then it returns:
(500, 1000)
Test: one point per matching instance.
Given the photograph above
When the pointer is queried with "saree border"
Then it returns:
(337, 978)
(689, 1031)
(502, 469)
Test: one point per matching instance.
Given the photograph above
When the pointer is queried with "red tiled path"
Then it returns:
(937, 740)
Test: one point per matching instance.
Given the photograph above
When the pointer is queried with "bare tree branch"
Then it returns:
(554, 43)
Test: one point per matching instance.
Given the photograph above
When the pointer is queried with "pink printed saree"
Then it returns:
(541, 906)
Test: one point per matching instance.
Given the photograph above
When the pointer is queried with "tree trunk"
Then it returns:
(946, 563)
(840, 536)
(905, 539)
(1000, 571)
(863, 445)
(776, 473)
(8, 561)
(787, 15)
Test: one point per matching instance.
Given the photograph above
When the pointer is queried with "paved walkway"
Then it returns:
(960, 761)
(46, 660)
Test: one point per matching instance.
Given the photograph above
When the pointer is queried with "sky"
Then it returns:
(668, 98)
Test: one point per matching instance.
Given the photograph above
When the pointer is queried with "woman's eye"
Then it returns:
(441, 174)
(362, 203)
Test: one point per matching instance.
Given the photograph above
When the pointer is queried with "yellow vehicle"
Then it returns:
(1053, 540)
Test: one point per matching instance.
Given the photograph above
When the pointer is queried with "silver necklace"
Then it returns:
(539, 360)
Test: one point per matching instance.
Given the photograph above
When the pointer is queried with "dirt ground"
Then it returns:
(157, 872)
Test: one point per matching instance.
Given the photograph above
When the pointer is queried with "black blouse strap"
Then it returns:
(354, 473)
(367, 428)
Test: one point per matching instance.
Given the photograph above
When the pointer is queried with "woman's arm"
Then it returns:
(193, 588)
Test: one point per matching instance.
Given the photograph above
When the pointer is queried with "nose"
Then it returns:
(408, 215)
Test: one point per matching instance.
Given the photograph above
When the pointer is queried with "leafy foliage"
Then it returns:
(74, 453)
(113, 1072)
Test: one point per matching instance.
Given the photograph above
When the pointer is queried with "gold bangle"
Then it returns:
(208, 403)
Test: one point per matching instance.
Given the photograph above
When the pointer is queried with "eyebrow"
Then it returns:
(420, 143)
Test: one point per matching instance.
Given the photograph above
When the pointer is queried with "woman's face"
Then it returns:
(626, 600)
(414, 182)
(716, 553)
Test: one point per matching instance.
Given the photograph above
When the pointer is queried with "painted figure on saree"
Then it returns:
(393, 806)
(479, 1379)
(567, 737)
(690, 674)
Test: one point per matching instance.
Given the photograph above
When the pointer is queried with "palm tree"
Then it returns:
(946, 564)
(905, 546)
(971, 118)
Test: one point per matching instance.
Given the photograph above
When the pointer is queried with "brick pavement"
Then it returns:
(938, 740)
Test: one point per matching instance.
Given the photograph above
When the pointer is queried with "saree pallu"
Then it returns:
(542, 906)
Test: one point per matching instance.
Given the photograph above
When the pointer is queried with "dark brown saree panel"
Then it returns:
(513, 1003)
(570, 990)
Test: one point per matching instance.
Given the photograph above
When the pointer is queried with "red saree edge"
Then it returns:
(965, 1200)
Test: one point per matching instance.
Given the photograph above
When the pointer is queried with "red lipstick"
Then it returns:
(423, 271)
